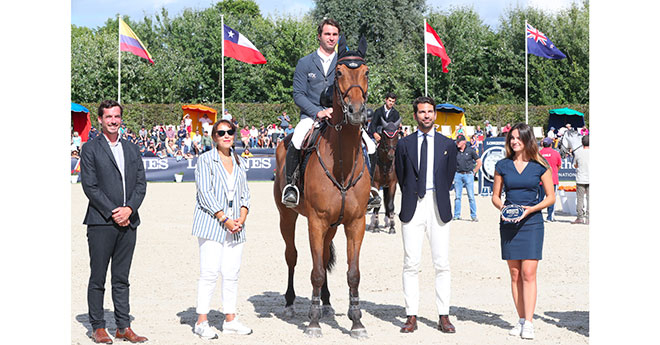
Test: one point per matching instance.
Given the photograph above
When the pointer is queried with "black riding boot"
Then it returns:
(290, 194)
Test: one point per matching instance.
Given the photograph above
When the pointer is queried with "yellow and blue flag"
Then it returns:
(129, 42)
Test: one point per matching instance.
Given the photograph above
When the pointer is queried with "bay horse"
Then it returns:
(384, 174)
(335, 191)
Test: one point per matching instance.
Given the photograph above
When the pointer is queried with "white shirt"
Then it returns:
(325, 60)
(387, 111)
(430, 137)
(118, 153)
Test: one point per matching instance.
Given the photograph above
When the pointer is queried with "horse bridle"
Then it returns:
(351, 62)
(386, 148)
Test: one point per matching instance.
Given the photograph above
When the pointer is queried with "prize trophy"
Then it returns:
(512, 213)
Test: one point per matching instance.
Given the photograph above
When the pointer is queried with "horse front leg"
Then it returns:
(316, 237)
(288, 231)
(354, 236)
(329, 259)
(389, 206)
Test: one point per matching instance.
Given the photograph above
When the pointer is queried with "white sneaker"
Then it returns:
(204, 331)
(527, 330)
(235, 327)
(517, 329)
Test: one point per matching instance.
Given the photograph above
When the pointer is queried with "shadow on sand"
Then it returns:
(109, 318)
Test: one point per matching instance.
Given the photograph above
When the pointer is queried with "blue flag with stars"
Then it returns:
(540, 45)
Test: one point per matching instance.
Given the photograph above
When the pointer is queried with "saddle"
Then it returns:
(309, 145)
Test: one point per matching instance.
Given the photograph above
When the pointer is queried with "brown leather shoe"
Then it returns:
(410, 325)
(100, 336)
(445, 326)
(578, 221)
(130, 336)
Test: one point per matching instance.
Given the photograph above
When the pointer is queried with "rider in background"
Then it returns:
(314, 73)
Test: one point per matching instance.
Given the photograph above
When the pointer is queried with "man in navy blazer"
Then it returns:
(113, 179)
(425, 163)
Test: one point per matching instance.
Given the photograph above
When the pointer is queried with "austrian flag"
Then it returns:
(435, 47)
(240, 48)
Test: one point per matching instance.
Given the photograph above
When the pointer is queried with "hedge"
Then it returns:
(148, 115)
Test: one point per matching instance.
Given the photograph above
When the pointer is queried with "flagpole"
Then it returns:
(222, 31)
(118, 59)
(426, 82)
(526, 96)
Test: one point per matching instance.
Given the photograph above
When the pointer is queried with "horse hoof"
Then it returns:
(289, 312)
(313, 332)
(359, 333)
(328, 311)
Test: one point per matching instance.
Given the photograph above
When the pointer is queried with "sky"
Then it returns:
(94, 13)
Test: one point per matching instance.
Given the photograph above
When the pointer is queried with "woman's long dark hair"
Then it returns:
(531, 147)
(231, 125)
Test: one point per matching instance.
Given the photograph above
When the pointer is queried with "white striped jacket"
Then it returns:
(211, 182)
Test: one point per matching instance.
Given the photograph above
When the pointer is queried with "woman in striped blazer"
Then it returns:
(222, 204)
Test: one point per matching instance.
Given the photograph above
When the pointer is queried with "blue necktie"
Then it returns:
(421, 182)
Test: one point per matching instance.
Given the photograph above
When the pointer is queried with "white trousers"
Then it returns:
(426, 221)
(218, 259)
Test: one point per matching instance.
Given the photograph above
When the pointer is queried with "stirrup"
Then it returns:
(288, 203)
(374, 199)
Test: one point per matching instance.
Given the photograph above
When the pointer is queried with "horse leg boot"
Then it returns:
(373, 225)
(291, 194)
(313, 330)
(354, 314)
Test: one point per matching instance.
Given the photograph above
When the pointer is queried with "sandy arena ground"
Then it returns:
(165, 270)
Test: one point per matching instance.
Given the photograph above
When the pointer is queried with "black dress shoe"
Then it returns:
(410, 325)
(445, 326)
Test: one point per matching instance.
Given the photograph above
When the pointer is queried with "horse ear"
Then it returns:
(397, 123)
(342, 46)
(362, 47)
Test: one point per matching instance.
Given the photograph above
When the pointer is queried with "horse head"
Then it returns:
(389, 139)
(351, 81)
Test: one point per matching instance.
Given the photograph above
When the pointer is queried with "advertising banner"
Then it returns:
(162, 170)
(493, 150)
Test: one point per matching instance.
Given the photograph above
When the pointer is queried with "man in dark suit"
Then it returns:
(113, 180)
(425, 163)
(384, 115)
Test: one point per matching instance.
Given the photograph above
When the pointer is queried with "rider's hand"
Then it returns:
(324, 113)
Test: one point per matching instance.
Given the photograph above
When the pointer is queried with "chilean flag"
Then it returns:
(435, 47)
(240, 48)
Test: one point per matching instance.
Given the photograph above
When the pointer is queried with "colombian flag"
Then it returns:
(129, 42)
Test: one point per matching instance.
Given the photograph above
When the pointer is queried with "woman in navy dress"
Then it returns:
(519, 175)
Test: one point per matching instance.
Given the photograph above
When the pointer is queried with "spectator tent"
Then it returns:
(80, 119)
(559, 117)
(449, 115)
(196, 112)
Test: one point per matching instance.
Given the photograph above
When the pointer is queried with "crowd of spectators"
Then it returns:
(181, 142)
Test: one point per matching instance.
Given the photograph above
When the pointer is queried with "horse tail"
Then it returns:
(332, 260)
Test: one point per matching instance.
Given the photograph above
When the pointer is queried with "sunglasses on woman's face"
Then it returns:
(221, 132)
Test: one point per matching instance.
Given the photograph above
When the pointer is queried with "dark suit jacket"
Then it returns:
(379, 119)
(309, 82)
(101, 181)
(444, 168)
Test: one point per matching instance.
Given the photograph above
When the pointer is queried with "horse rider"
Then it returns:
(314, 73)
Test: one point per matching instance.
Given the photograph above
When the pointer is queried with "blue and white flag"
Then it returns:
(540, 45)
